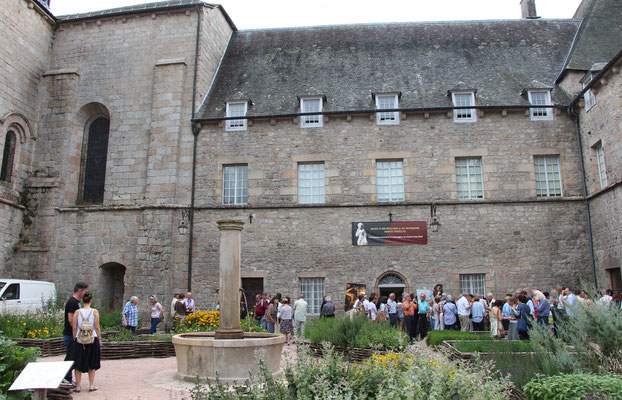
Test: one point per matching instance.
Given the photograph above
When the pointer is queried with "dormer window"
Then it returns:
(464, 99)
(387, 102)
(236, 109)
(589, 97)
(540, 98)
(311, 105)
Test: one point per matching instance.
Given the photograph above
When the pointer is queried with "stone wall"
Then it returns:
(517, 239)
(137, 70)
(26, 42)
(602, 126)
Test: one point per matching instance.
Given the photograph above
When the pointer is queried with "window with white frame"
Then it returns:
(548, 177)
(390, 180)
(589, 97)
(236, 109)
(387, 102)
(309, 105)
(602, 169)
(464, 99)
(473, 283)
(469, 178)
(313, 291)
(540, 98)
(234, 184)
(311, 183)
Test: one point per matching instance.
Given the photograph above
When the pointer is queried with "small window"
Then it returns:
(589, 97)
(12, 292)
(311, 185)
(548, 177)
(8, 156)
(602, 168)
(540, 98)
(464, 99)
(236, 109)
(390, 180)
(310, 105)
(313, 291)
(235, 184)
(469, 178)
(387, 102)
(473, 283)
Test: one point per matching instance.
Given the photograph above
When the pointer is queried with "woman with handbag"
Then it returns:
(87, 333)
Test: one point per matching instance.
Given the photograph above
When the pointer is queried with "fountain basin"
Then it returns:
(200, 354)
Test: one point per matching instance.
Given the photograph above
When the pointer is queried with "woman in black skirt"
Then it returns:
(86, 356)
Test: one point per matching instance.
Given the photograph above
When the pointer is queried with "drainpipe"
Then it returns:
(575, 119)
(195, 134)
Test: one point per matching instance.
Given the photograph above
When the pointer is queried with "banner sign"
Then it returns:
(389, 233)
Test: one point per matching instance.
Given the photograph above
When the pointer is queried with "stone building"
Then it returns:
(128, 132)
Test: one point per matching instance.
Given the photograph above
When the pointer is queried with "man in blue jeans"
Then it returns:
(72, 305)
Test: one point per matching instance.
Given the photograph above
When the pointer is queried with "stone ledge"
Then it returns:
(62, 71)
(170, 61)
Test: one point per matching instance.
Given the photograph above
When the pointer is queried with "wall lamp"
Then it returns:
(183, 224)
(435, 221)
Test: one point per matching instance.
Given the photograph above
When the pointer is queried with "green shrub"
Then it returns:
(13, 359)
(435, 338)
(357, 331)
(574, 386)
(381, 337)
(110, 320)
(490, 346)
(125, 335)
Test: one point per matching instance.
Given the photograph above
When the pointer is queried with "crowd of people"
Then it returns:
(511, 316)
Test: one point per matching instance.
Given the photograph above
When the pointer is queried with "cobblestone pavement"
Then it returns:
(141, 378)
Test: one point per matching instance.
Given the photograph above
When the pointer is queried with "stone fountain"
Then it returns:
(229, 352)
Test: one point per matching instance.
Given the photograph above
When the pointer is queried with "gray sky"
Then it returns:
(252, 14)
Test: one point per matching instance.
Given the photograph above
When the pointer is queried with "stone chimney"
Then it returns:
(528, 9)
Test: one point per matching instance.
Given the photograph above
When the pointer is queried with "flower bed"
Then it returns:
(436, 338)
(467, 348)
(353, 354)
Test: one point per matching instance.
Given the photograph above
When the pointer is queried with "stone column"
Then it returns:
(230, 253)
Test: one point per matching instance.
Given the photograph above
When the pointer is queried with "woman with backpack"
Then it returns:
(86, 332)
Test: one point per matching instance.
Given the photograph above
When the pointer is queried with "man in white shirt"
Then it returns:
(175, 300)
(300, 316)
(392, 306)
(189, 304)
(464, 313)
(570, 300)
(606, 299)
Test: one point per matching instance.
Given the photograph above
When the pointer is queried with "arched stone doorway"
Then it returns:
(391, 282)
(111, 285)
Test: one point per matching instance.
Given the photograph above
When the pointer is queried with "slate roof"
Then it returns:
(600, 36)
(421, 60)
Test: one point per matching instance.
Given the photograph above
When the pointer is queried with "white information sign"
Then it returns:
(42, 375)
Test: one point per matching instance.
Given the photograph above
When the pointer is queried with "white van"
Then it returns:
(19, 296)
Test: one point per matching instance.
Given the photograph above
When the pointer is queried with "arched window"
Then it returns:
(8, 156)
(94, 177)
(391, 280)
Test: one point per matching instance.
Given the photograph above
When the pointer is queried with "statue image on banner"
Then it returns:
(361, 235)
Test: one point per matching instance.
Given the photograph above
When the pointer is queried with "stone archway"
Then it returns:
(111, 285)
(391, 282)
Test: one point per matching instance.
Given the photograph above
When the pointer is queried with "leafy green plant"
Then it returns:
(435, 338)
(13, 359)
(357, 331)
(126, 335)
(574, 386)
(110, 319)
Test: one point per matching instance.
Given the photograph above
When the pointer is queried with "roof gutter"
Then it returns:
(375, 110)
